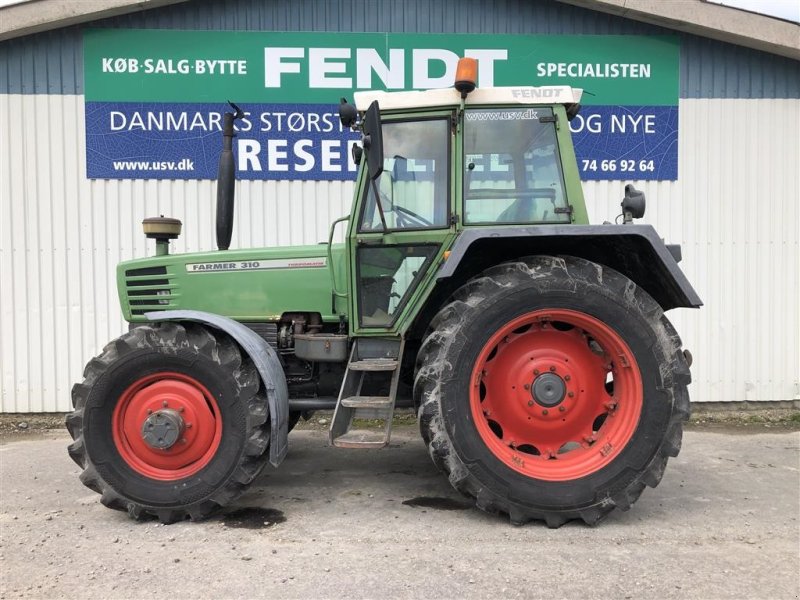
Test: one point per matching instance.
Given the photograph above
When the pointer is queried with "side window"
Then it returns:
(414, 187)
(512, 167)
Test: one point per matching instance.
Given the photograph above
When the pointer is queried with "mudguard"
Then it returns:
(636, 251)
(265, 360)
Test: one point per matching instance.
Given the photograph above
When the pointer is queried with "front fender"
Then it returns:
(265, 360)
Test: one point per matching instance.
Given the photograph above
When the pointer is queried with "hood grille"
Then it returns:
(149, 289)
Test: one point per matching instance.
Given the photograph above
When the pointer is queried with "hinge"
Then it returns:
(454, 124)
(453, 219)
(564, 210)
(552, 119)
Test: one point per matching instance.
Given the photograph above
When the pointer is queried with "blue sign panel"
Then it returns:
(306, 142)
(626, 142)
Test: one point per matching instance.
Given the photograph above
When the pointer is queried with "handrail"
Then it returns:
(330, 256)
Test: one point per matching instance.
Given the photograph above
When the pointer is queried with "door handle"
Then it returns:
(370, 241)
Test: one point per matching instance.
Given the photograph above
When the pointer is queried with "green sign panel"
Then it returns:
(317, 68)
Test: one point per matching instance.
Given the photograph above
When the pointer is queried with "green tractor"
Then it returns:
(547, 381)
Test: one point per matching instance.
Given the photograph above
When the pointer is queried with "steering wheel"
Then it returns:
(405, 218)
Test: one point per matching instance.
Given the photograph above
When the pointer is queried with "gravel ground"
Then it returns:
(705, 416)
(339, 523)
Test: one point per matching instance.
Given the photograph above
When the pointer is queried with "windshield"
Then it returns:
(512, 167)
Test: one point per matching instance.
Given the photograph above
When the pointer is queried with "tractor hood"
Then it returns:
(246, 285)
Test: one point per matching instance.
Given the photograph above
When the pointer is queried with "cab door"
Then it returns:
(403, 222)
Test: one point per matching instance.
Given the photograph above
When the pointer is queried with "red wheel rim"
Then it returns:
(200, 432)
(556, 394)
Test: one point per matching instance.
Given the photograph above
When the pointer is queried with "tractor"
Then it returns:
(533, 346)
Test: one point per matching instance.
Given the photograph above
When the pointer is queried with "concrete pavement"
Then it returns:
(335, 523)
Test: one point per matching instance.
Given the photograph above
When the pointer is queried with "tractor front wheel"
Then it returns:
(169, 421)
(552, 388)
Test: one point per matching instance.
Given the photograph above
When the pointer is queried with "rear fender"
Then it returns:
(636, 251)
(265, 360)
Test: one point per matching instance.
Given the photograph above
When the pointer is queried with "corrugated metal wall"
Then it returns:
(52, 62)
(734, 209)
(62, 236)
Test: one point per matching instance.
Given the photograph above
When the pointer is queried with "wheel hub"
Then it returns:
(548, 390)
(162, 429)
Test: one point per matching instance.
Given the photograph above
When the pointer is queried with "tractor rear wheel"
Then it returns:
(170, 422)
(552, 388)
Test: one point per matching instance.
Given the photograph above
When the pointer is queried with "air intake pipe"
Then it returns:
(226, 179)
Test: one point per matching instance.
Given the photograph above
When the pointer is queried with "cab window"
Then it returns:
(414, 186)
(512, 167)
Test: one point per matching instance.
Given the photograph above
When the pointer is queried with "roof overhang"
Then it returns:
(690, 16)
(709, 20)
(33, 16)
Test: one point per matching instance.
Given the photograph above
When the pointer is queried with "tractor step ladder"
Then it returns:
(374, 368)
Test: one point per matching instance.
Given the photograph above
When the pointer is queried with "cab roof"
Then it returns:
(546, 95)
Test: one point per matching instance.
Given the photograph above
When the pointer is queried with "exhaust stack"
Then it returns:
(226, 179)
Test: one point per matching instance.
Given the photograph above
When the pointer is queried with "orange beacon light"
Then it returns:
(466, 75)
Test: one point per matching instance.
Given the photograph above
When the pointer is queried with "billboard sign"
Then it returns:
(155, 98)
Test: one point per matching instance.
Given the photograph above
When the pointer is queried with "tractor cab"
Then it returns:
(442, 161)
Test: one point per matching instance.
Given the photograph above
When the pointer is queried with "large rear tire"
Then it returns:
(552, 388)
(169, 421)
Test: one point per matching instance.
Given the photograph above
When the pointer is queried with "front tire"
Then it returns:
(552, 388)
(169, 421)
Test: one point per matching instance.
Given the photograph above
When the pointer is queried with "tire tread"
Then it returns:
(431, 369)
(168, 337)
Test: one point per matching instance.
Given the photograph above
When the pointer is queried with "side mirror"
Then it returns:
(358, 152)
(372, 140)
(347, 113)
(633, 205)
(573, 110)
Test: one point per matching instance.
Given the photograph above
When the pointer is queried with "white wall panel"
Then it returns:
(62, 235)
(734, 209)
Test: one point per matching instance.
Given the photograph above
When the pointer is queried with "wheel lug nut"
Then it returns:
(552, 369)
(536, 371)
(571, 394)
(545, 411)
(561, 409)
(183, 440)
(188, 426)
(181, 409)
(164, 404)
(530, 402)
(527, 386)
(149, 411)
(567, 377)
